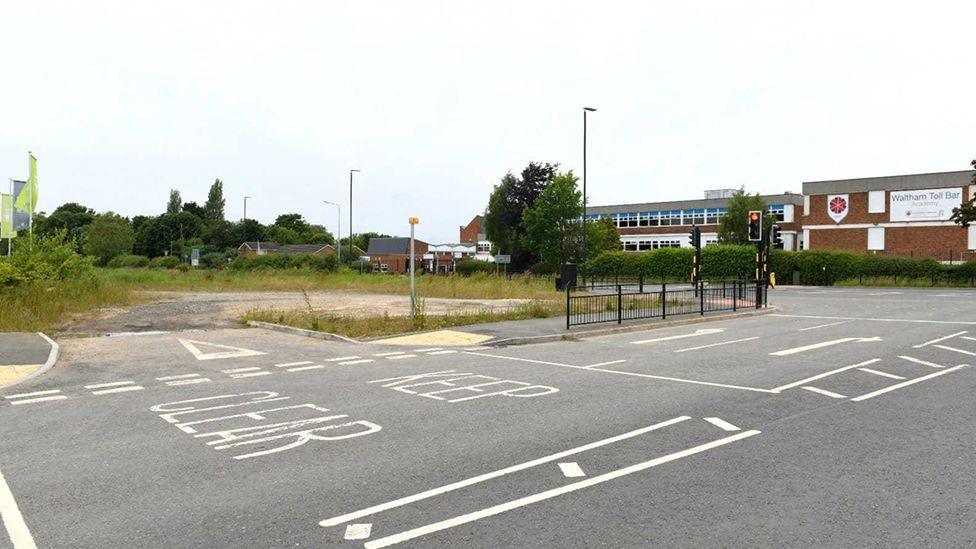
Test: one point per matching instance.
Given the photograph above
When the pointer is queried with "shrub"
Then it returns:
(471, 266)
(50, 258)
(317, 262)
(213, 260)
(164, 262)
(128, 261)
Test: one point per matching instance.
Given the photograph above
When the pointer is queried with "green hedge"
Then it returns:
(164, 262)
(318, 262)
(471, 266)
(128, 261)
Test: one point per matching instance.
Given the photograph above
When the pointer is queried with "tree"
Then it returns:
(71, 217)
(248, 230)
(194, 209)
(601, 236)
(966, 213)
(175, 202)
(552, 224)
(107, 236)
(292, 221)
(733, 226)
(509, 199)
(214, 207)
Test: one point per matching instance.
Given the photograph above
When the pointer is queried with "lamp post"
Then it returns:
(350, 207)
(585, 254)
(245, 208)
(338, 230)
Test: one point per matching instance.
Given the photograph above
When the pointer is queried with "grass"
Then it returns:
(382, 325)
(905, 282)
(478, 286)
(43, 305)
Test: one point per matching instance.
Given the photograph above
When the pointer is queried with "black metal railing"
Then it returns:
(637, 300)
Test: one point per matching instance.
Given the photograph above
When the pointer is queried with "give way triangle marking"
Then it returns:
(229, 352)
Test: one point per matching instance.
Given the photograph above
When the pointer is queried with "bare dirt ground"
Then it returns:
(204, 310)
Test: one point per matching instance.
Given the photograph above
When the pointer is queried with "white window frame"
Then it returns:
(876, 238)
(876, 202)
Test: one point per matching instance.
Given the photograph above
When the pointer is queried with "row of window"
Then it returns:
(665, 218)
(641, 245)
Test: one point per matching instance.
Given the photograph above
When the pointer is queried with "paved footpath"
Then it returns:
(23, 355)
(844, 420)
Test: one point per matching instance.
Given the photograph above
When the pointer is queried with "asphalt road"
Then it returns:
(845, 420)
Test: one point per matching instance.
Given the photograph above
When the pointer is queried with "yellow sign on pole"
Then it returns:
(414, 220)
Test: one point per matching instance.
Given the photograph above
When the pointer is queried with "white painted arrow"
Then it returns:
(702, 332)
(823, 344)
(229, 352)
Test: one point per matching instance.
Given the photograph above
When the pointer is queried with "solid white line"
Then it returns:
(341, 358)
(398, 357)
(969, 338)
(35, 393)
(239, 370)
(722, 424)
(113, 384)
(907, 383)
(825, 374)
(356, 362)
(389, 354)
(182, 376)
(571, 469)
(445, 352)
(716, 344)
(303, 368)
(922, 362)
(936, 340)
(189, 381)
(953, 349)
(882, 374)
(696, 333)
(822, 344)
(13, 521)
(542, 496)
(119, 390)
(633, 374)
(823, 325)
(831, 394)
(427, 349)
(289, 364)
(606, 363)
(965, 323)
(41, 399)
(494, 474)
(250, 374)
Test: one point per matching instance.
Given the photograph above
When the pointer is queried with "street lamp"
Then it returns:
(350, 207)
(585, 110)
(338, 230)
(245, 208)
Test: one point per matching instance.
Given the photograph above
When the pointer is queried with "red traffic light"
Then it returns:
(753, 216)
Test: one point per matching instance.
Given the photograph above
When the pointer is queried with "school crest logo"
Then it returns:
(837, 206)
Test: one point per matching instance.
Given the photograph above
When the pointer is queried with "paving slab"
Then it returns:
(21, 355)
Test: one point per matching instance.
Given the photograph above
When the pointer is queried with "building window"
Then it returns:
(777, 211)
(711, 216)
(630, 246)
(876, 202)
(876, 238)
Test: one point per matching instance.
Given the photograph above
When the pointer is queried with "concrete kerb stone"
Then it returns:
(300, 331)
(52, 358)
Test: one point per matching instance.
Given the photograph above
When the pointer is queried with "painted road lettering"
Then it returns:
(287, 426)
(444, 385)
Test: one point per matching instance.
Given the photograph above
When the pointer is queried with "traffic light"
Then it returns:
(694, 237)
(755, 226)
(776, 237)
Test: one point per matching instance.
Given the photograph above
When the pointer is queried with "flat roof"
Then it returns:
(891, 183)
(785, 198)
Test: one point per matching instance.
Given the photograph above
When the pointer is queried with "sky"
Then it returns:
(436, 101)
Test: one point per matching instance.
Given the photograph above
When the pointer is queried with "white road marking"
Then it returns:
(716, 344)
(906, 383)
(822, 344)
(113, 384)
(303, 368)
(548, 494)
(940, 295)
(398, 357)
(125, 389)
(341, 358)
(885, 293)
(571, 469)
(696, 333)
(290, 364)
(13, 521)
(427, 350)
(39, 399)
(953, 349)
(879, 373)
(445, 352)
(335, 521)
(818, 326)
(919, 361)
(918, 321)
(363, 361)
(633, 374)
(249, 374)
(188, 381)
(938, 339)
(606, 363)
(239, 370)
(722, 424)
(825, 374)
(831, 394)
(35, 393)
(389, 354)
(969, 338)
(230, 352)
(181, 376)
(359, 531)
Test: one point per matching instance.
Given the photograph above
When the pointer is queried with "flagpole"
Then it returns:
(10, 229)
(30, 185)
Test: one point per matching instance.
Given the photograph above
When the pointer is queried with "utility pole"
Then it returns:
(585, 254)
(245, 208)
(350, 208)
(413, 222)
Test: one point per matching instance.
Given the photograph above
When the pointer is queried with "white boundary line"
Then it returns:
(335, 521)
(607, 363)
(825, 374)
(919, 321)
(35, 393)
(938, 339)
(880, 373)
(722, 424)
(125, 389)
(112, 384)
(825, 392)
(907, 383)
(953, 349)
(919, 361)
(548, 494)
(13, 521)
(823, 325)
(39, 399)
(716, 344)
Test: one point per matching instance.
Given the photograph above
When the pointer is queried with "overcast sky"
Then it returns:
(435, 101)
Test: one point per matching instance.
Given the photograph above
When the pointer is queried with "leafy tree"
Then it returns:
(248, 230)
(292, 221)
(70, 217)
(219, 235)
(138, 220)
(601, 236)
(107, 236)
(175, 202)
(167, 233)
(194, 209)
(966, 213)
(733, 226)
(361, 240)
(551, 225)
(214, 207)
(509, 199)
(283, 235)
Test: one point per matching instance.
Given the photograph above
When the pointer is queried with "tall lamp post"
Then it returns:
(585, 254)
(338, 230)
(245, 208)
(350, 207)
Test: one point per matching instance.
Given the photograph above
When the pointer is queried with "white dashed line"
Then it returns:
(182, 376)
(179, 382)
(906, 383)
(290, 364)
(922, 362)
(35, 393)
(249, 374)
(239, 370)
(938, 339)
(39, 399)
(389, 354)
(341, 358)
(722, 424)
(125, 389)
(427, 350)
(303, 368)
(823, 325)
(445, 352)
(882, 374)
(113, 384)
(398, 357)
(363, 361)
(716, 344)
(969, 338)
(953, 349)
(831, 394)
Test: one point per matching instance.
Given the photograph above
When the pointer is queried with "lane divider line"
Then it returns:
(398, 357)
(444, 352)
(824, 392)
(427, 349)
(363, 361)
(179, 382)
(239, 370)
(181, 376)
(938, 339)
(920, 361)
(125, 389)
(825, 374)
(303, 368)
(250, 374)
(716, 344)
(389, 354)
(290, 364)
(817, 327)
(907, 383)
(35, 393)
(113, 384)
(880, 373)
(38, 399)
(953, 349)
(341, 358)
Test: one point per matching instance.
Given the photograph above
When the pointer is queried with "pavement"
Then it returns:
(22, 355)
(845, 419)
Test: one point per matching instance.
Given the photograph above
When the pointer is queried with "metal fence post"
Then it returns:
(701, 295)
(735, 291)
(641, 279)
(664, 300)
(620, 310)
(758, 298)
(567, 307)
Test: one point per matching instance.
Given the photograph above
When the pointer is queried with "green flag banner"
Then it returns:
(26, 201)
(7, 216)
(21, 218)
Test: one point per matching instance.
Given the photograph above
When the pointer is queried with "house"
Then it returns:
(261, 248)
(474, 233)
(392, 255)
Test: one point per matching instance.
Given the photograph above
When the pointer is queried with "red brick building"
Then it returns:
(392, 255)
(903, 215)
